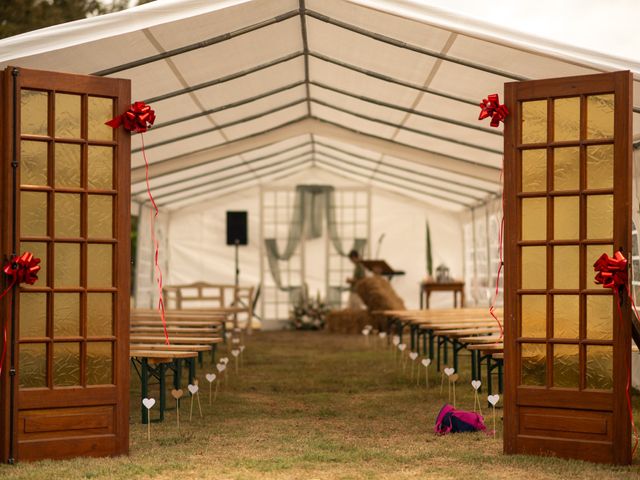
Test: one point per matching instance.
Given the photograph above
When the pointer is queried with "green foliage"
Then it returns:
(429, 259)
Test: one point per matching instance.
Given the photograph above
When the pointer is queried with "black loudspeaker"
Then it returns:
(237, 228)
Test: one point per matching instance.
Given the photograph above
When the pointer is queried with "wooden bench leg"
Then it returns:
(500, 364)
(213, 353)
(424, 342)
(489, 381)
(177, 374)
(413, 337)
(162, 369)
(457, 346)
(192, 369)
(431, 346)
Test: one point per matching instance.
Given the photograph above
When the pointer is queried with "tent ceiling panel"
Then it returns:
(264, 122)
(351, 121)
(456, 111)
(277, 148)
(170, 151)
(144, 85)
(475, 85)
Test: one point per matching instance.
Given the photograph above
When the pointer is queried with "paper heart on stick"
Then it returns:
(426, 362)
(193, 389)
(228, 335)
(476, 384)
(241, 347)
(224, 360)
(177, 394)
(396, 340)
(402, 347)
(453, 378)
(413, 355)
(235, 352)
(148, 402)
(210, 377)
(221, 367)
(382, 334)
(493, 399)
(366, 331)
(449, 371)
(235, 341)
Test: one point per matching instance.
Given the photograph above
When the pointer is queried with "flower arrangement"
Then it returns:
(309, 314)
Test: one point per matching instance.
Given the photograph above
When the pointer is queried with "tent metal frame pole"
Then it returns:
(202, 44)
(305, 49)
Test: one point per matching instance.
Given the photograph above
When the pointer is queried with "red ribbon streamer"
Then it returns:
(491, 107)
(612, 273)
(138, 118)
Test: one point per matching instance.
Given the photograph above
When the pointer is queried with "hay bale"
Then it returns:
(347, 321)
(378, 294)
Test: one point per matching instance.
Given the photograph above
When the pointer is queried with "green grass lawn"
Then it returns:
(316, 406)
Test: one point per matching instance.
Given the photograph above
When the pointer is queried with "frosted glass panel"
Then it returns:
(32, 370)
(99, 265)
(39, 250)
(67, 115)
(566, 168)
(534, 364)
(600, 216)
(66, 314)
(600, 166)
(534, 267)
(100, 111)
(599, 367)
(534, 121)
(67, 215)
(534, 170)
(534, 218)
(33, 112)
(566, 267)
(600, 116)
(566, 368)
(33, 163)
(566, 316)
(33, 214)
(33, 315)
(67, 265)
(99, 363)
(600, 317)
(67, 164)
(100, 171)
(566, 218)
(99, 314)
(534, 316)
(100, 216)
(566, 119)
(593, 253)
(66, 364)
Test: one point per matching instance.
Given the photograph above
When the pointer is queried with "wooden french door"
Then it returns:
(69, 205)
(567, 193)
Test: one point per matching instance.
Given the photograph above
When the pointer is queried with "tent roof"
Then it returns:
(246, 91)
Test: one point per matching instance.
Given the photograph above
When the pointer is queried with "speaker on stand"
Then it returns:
(237, 234)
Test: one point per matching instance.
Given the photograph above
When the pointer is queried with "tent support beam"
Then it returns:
(305, 49)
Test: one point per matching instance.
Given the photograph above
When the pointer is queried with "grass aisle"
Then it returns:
(311, 405)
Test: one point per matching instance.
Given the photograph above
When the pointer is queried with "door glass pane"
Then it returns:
(534, 218)
(39, 250)
(66, 314)
(566, 168)
(100, 110)
(534, 316)
(600, 166)
(67, 164)
(566, 268)
(67, 215)
(32, 370)
(599, 367)
(33, 163)
(100, 169)
(593, 253)
(566, 218)
(534, 364)
(67, 265)
(600, 116)
(33, 214)
(566, 316)
(33, 112)
(534, 121)
(99, 314)
(534, 170)
(566, 367)
(534, 267)
(566, 119)
(99, 219)
(67, 115)
(99, 265)
(600, 216)
(66, 364)
(33, 315)
(600, 317)
(99, 363)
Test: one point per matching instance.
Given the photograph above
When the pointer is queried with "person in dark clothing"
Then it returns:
(355, 302)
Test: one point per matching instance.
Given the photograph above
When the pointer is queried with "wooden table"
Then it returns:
(456, 287)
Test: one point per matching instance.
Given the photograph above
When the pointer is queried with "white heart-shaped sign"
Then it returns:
(193, 389)
(235, 352)
(366, 331)
(396, 340)
(413, 355)
(449, 371)
(493, 399)
(476, 384)
(402, 347)
(210, 377)
(221, 367)
(426, 362)
(224, 360)
(228, 334)
(235, 341)
(382, 334)
(241, 347)
(369, 327)
(148, 402)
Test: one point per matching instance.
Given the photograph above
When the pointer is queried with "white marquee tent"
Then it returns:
(252, 94)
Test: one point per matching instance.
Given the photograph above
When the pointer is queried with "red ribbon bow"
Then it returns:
(138, 118)
(23, 269)
(612, 272)
(491, 107)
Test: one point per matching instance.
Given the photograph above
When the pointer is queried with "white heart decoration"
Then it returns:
(235, 352)
(210, 377)
(221, 367)
(476, 384)
(382, 334)
(193, 389)
(241, 347)
(224, 360)
(228, 334)
(235, 341)
(396, 340)
(426, 362)
(413, 355)
(449, 371)
(366, 331)
(148, 402)
(493, 399)
(402, 347)
(368, 327)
